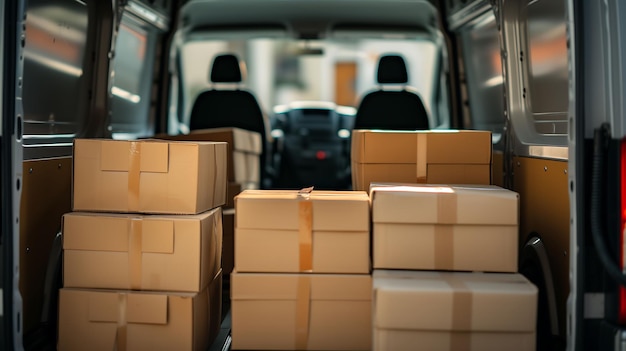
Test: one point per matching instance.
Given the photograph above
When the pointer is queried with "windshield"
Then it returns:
(281, 71)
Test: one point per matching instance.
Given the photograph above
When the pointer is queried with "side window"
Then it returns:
(133, 68)
(54, 97)
(483, 68)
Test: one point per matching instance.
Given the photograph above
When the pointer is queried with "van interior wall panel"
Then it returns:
(46, 196)
(481, 54)
(54, 72)
(544, 209)
(548, 66)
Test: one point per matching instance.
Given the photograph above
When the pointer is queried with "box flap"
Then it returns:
(122, 307)
(285, 286)
(115, 155)
(146, 308)
(383, 146)
(439, 204)
(96, 231)
(154, 157)
(157, 236)
(279, 209)
(412, 300)
(104, 306)
(455, 146)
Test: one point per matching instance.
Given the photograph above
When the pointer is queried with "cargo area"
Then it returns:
(312, 175)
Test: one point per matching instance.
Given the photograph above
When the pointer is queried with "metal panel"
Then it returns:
(547, 60)
(133, 68)
(467, 14)
(516, 59)
(11, 159)
(56, 36)
(483, 67)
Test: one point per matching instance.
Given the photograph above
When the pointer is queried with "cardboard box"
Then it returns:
(244, 151)
(461, 228)
(434, 157)
(321, 232)
(233, 190)
(157, 252)
(383, 156)
(454, 157)
(138, 320)
(453, 311)
(228, 242)
(301, 311)
(148, 176)
(215, 306)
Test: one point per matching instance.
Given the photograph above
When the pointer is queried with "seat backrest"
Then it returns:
(227, 107)
(391, 109)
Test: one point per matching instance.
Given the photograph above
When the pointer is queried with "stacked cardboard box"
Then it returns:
(142, 249)
(447, 232)
(434, 157)
(303, 259)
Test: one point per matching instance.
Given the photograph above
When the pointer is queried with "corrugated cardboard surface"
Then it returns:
(156, 252)
(457, 174)
(443, 204)
(433, 304)
(244, 148)
(467, 228)
(437, 157)
(383, 146)
(382, 156)
(228, 242)
(301, 311)
(454, 157)
(363, 174)
(445, 247)
(124, 320)
(417, 340)
(273, 234)
(148, 176)
(215, 306)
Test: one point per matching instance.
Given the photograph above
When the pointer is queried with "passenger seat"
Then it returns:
(397, 109)
(232, 107)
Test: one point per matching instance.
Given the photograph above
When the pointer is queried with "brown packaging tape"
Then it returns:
(303, 311)
(134, 253)
(133, 175)
(120, 334)
(421, 166)
(305, 233)
(446, 208)
(461, 314)
(444, 240)
(444, 247)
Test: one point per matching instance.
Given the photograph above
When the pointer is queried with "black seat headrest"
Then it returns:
(392, 70)
(226, 69)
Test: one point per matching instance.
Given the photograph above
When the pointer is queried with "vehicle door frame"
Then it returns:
(11, 59)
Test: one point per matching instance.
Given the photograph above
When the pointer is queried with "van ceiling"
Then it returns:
(309, 19)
